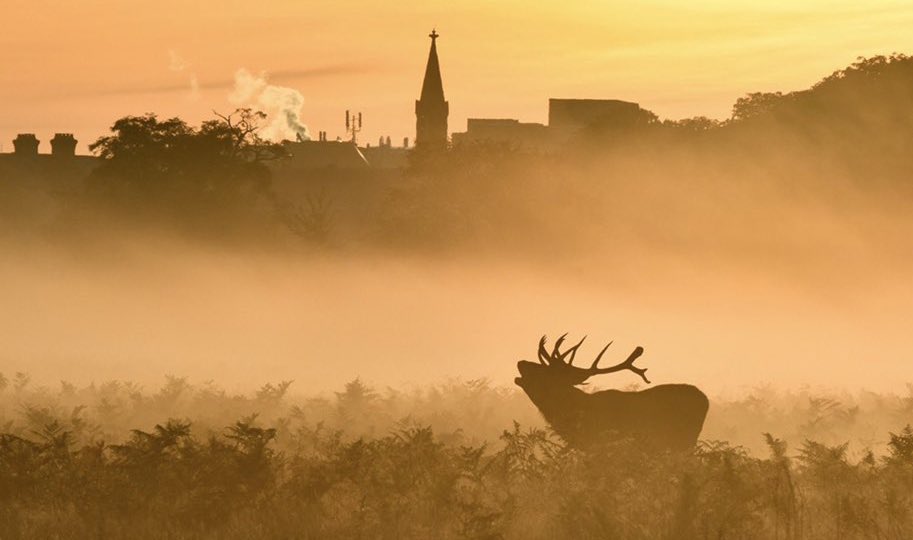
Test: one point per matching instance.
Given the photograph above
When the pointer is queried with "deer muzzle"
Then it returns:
(525, 368)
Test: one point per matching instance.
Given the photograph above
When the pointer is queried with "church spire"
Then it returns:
(431, 109)
(432, 87)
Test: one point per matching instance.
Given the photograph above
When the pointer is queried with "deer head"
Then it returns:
(557, 368)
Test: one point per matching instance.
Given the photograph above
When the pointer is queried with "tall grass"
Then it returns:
(449, 461)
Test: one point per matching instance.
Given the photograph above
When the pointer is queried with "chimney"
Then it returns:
(25, 144)
(63, 145)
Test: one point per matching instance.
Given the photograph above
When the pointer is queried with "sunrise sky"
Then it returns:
(77, 66)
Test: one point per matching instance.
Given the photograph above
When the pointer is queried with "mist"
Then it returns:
(140, 310)
(775, 249)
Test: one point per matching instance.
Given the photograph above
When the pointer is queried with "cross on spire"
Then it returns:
(432, 89)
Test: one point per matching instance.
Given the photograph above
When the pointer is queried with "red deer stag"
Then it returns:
(668, 416)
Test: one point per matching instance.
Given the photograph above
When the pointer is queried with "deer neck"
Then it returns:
(560, 405)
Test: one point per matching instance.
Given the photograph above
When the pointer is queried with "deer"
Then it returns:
(667, 417)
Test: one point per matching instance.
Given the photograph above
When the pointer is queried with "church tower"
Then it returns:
(431, 109)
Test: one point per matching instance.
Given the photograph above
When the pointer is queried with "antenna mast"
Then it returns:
(353, 126)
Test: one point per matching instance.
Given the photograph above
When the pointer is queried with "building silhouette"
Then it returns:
(62, 145)
(61, 169)
(570, 116)
(323, 154)
(505, 132)
(569, 121)
(431, 109)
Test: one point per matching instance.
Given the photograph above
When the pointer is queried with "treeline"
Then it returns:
(838, 153)
(292, 473)
(869, 91)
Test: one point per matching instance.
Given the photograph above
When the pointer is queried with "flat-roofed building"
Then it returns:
(504, 131)
(568, 117)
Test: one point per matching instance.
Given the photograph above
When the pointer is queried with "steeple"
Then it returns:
(431, 109)
(432, 87)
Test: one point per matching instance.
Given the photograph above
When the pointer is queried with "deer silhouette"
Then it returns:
(664, 417)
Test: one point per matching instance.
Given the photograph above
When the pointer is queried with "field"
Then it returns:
(461, 459)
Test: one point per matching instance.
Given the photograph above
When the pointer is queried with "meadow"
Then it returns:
(461, 459)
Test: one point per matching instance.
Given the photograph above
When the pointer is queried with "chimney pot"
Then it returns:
(25, 144)
(63, 145)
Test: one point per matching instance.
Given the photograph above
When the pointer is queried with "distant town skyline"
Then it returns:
(75, 68)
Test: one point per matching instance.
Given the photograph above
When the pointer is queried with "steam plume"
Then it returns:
(282, 105)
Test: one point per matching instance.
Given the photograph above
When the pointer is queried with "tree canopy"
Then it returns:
(221, 160)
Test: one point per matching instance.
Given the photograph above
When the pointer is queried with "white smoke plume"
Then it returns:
(177, 64)
(282, 106)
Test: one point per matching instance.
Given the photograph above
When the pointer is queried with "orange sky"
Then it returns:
(77, 66)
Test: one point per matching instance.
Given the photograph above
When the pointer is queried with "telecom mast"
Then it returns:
(353, 126)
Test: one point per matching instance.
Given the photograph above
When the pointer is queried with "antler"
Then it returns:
(543, 354)
(627, 364)
(557, 359)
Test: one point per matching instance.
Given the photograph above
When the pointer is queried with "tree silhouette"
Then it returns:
(756, 104)
(170, 164)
